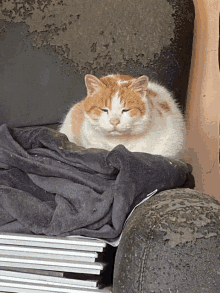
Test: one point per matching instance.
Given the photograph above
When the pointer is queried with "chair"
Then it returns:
(44, 63)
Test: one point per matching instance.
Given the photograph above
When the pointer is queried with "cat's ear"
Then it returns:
(140, 84)
(93, 84)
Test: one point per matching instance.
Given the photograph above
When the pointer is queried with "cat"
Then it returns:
(119, 109)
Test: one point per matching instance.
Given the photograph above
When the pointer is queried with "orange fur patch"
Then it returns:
(102, 99)
(123, 77)
(151, 93)
(132, 100)
(164, 106)
(77, 117)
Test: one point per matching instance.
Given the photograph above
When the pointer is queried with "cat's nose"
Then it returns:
(114, 121)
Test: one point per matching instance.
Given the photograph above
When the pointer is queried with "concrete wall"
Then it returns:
(48, 46)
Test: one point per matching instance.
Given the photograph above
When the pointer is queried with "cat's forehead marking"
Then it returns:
(123, 82)
(116, 102)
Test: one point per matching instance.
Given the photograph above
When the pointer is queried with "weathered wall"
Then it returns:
(48, 46)
(97, 32)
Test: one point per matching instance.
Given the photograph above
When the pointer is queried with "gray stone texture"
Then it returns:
(97, 30)
(171, 244)
(47, 46)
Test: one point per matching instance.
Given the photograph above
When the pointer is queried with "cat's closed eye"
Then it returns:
(125, 110)
(105, 110)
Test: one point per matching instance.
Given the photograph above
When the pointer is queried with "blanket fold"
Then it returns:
(51, 186)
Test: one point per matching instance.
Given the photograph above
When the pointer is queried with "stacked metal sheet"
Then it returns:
(32, 263)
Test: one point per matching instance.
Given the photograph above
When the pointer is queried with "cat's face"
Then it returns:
(117, 105)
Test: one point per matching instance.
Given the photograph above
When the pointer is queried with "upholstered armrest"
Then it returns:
(170, 244)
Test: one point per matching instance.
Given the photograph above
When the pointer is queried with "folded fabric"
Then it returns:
(51, 186)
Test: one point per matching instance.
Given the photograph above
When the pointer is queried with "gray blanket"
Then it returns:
(53, 187)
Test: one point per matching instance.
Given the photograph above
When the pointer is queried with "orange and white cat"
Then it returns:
(135, 112)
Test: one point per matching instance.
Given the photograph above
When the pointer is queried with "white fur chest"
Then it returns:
(163, 138)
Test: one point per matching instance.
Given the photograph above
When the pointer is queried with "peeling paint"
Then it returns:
(184, 235)
(94, 32)
(182, 215)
